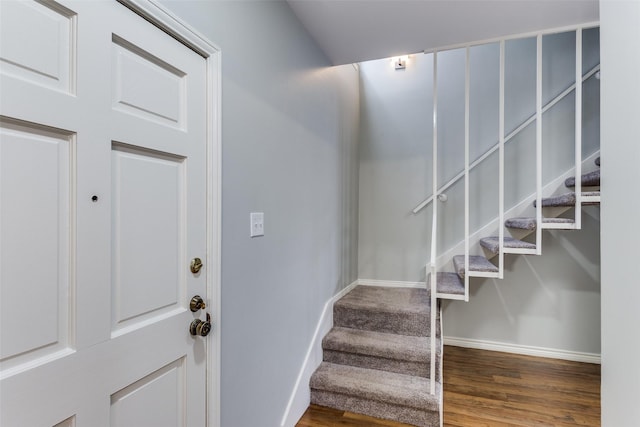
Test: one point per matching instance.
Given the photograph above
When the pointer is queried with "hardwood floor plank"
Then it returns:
(369, 420)
(462, 420)
(319, 416)
(492, 389)
(525, 413)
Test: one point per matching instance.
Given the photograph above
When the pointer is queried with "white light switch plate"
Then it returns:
(257, 224)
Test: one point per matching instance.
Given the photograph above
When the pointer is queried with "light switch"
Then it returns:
(257, 224)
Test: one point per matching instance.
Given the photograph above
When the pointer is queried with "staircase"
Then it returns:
(376, 357)
(520, 228)
(383, 357)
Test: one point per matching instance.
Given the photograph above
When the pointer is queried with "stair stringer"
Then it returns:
(491, 228)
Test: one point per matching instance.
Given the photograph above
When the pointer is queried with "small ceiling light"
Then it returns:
(400, 62)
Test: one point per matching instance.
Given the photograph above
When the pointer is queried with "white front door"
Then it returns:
(103, 206)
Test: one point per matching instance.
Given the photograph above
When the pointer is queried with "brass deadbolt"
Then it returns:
(196, 265)
(197, 303)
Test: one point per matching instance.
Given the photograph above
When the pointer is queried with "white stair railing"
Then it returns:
(467, 232)
(501, 165)
(431, 269)
(507, 138)
(538, 144)
(578, 131)
(433, 273)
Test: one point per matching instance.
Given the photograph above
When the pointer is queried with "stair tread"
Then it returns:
(385, 299)
(393, 310)
(590, 179)
(379, 344)
(492, 244)
(448, 283)
(526, 223)
(567, 199)
(476, 263)
(373, 384)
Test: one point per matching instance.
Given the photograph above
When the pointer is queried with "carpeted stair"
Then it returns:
(591, 179)
(492, 244)
(476, 264)
(403, 354)
(376, 357)
(448, 283)
(521, 226)
(530, 224)
(567, 200)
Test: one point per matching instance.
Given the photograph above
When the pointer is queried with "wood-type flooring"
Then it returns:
(492, 389)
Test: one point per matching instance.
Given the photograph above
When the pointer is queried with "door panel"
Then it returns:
(103, 205)
(162, 390)
(44, 58)
(148, 235)
(35, 225)
(146, 86)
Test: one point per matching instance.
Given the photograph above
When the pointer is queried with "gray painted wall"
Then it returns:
(549, 301)
(620, 209)
(289, 149)
(395, 155)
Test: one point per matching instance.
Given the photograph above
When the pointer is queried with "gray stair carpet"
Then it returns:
(598, 161)
(591, 179)
(377, 357)
(530, 223)
(402, 311)
(492, 244)
(402, 354)
(448, 283)
(476, 263)
(566, 200)
(381, 394)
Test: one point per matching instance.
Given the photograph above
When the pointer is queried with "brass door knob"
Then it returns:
(197, 303)
(200, 328)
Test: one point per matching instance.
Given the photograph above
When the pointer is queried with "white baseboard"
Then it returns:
(526, 350)
(391, 283)
(301, 394)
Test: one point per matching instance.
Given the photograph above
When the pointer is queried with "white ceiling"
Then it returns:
(357, 30)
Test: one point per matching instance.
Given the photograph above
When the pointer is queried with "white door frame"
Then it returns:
(170, 23)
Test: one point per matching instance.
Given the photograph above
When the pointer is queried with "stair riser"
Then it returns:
(403, 414)
(554, 211)
(519, 234)
(394, 323)
(488, 254)
(419, 369)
